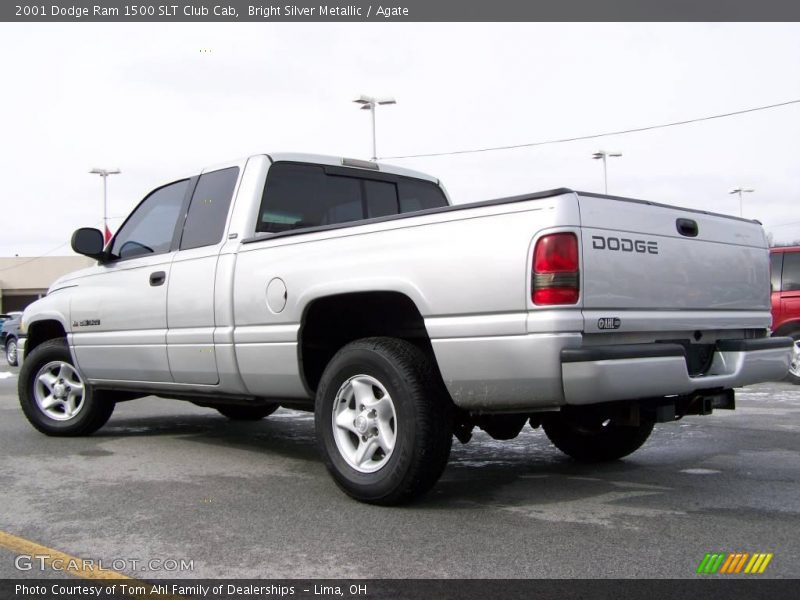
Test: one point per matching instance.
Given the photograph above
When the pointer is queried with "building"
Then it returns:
(25, 279)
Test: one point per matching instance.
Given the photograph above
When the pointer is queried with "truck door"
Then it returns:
(119, 313)
(190, 304)
(790, 287)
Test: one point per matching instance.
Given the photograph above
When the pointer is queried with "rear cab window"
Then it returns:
(299, 195)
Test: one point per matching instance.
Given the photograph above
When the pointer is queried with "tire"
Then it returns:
(793, 375)
(48, 393)
(247, 413)
(589, 436)
(11, 351)
(394, 447)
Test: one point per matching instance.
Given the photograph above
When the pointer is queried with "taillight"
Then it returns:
(555, 269)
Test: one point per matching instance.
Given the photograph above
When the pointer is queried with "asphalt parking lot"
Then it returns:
(168, 480)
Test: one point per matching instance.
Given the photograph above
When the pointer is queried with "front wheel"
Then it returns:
(11, 351)
(383, 421)
(591, 436)
(54, 396)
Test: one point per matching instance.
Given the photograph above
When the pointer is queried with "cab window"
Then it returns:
(304, 195)
(298, 195)
(208, 212)
(416, 195)
(151, 227)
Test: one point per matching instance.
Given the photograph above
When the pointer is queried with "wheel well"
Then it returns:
(331, 322)
(41, 331)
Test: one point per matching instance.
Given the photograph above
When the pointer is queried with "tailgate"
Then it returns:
(657, 268)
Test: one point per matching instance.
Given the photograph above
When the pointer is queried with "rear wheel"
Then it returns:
(247, 413)
(54, 396)
(11, 351)
(383, 421)
(591, 436)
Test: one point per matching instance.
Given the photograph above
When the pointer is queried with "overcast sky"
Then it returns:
(144, 98)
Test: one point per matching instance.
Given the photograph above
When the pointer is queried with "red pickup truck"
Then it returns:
(785, 263)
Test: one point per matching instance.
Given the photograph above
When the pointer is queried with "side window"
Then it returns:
(419, 195)
(775, 266)
(208, 211)
(381, 198)
(304, 196)
(149, 230)
(791, 272)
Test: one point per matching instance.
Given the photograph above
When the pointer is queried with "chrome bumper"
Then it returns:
(607, 373)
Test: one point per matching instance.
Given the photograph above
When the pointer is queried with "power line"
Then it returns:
(33, 258)
(30, 260)
(599, 135)
(782, 224)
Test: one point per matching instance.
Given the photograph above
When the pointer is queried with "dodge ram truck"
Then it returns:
(355, 290)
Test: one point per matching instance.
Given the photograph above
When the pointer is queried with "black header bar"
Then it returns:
(400, 11)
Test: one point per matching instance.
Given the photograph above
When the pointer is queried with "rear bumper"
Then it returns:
(598, 374)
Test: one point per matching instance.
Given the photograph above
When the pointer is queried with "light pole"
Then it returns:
(369, 103)
(104, 173)
(740, 190)
(604, 155)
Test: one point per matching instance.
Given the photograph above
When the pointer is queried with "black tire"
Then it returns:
(11, 351)
(590, 436)
(95, 408)
(423, 420)
(247, 413)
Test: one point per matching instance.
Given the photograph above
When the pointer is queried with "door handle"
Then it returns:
(158, 278)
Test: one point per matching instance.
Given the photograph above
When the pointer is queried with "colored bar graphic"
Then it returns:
(728, 563)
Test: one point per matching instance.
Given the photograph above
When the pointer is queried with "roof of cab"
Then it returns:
(338, 161)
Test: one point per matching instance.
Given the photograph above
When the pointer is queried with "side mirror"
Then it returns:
(89, 242)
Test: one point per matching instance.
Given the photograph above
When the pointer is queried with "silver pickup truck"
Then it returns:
(354, 289)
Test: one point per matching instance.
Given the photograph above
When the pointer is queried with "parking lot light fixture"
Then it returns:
(741, 190)
(370, 103)
(604, 155)
(104, 173)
